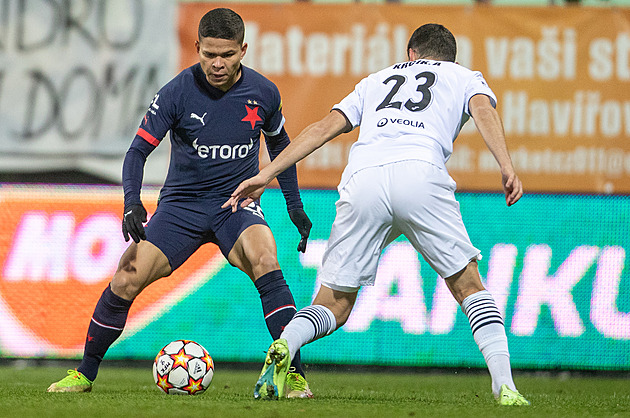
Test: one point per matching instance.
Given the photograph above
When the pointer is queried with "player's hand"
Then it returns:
(512, 187)
(248, 191)
(133, 218)
(303, 224)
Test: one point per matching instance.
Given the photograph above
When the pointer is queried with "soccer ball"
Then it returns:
(183, 367)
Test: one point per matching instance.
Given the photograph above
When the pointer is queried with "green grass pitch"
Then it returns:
(130, 392)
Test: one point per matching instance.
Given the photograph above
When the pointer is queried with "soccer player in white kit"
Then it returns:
(396, 182)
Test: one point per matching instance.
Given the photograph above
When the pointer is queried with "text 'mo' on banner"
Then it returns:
(561, 76)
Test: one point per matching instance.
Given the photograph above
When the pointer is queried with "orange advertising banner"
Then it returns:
(61, 246)
(561, 76)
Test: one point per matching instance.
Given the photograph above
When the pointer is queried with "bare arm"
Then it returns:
(311, 138)
(490, 127)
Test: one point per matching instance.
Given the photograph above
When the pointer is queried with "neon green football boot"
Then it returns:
(74, 382)
(270, 384)
(509, 397)
(297, 386)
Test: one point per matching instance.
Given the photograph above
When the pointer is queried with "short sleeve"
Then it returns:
(275, 121)
(352, 104)
(478, 85)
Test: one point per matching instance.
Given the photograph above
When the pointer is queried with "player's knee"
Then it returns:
(342, 312)
(125, 285)
(265, 262)
(465, 283)
(341, 320)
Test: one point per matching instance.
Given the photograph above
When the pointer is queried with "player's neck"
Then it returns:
(428, 58)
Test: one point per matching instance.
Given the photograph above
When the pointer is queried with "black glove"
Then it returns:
(133, 218)
(303, 224)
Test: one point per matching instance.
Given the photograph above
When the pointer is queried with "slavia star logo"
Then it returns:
(252, 113)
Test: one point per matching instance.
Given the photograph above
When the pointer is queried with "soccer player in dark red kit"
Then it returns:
(215, 112)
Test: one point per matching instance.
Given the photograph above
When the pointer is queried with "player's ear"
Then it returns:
(197, 45)
(243, 50)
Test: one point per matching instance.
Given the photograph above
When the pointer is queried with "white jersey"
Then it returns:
(411, 110)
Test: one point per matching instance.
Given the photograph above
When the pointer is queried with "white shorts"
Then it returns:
(414, 198)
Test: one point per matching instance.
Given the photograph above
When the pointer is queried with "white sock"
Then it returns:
(488, 331)
(308, 324)
(501, 372)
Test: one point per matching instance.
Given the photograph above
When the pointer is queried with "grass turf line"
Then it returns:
(130, 392)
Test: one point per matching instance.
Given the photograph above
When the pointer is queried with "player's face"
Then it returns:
(221, 61)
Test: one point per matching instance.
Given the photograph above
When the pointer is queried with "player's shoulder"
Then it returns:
(255, 78)
(257, 83)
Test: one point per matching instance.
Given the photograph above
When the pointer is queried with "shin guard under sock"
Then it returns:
(108, 321)
(489, 334)
(309, 324)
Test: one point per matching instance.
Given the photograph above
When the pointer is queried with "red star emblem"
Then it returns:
(252, 116)
(90, 338)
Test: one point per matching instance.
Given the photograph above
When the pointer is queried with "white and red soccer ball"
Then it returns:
(183, 367)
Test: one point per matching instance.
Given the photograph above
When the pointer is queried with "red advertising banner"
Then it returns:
(561, 76)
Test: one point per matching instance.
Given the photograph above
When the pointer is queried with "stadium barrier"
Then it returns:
(556, 265)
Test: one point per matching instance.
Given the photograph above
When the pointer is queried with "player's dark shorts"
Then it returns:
(181, 224)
